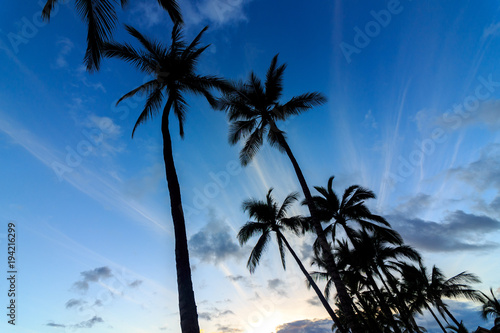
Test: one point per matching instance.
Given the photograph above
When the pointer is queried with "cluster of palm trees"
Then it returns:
(385, 279)
(378, 288)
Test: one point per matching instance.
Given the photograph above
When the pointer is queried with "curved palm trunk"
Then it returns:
(436, 318)
(187, 304)
(313, 285)
(331, 267)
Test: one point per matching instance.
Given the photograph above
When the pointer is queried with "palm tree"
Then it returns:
(179, 62)
(100, 17)
(491, 306)
(429, 289)
(350, 208)
(382, 258)
(253, 109)
(271, 218)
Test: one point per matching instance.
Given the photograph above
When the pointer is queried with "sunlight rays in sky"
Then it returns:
(412, 114)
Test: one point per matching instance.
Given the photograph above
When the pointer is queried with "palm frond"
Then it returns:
(146, 88)
(100, 17)
(274, 81)
(151, 106)
(259, 210)
(301, 103)
(47, 9)
(173, 10)
(194, 44)
(240, 129)
(250, 229)
(256, 253)
(137, 58)
(153, 48)
(276, 138)
(289, 200)
(251, 147)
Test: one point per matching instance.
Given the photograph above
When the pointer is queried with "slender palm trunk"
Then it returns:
(403, 310)
(187, 304)
(383, 303)
(331, 267)
(314, 286)
(442, 306)
(436, 318)
(372, 323)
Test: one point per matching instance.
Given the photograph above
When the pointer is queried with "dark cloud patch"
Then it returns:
(214, 243)
(56, 325)
(458, 231)
(228, 329)
(274, 283)
(94, 275)
(418, 203)
(81, 285)
(314, 301)
(484, 173)
(97, 274)
(89, 323)
(214, 313)
(486, 114)
(135, 284)
(205, 315)
(277, 285)
(236, 278)
(306, 326)
(74, 303)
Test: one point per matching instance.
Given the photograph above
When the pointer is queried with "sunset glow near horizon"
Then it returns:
(413, 114)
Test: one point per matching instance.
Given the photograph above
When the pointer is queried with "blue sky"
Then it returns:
(413, 114)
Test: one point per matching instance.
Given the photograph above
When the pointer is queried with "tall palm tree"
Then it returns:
(271, 218)
(253, 109)
(491, 306)
(178, 61)
(100, 18)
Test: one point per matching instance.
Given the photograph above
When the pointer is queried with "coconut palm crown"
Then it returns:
(254, 107)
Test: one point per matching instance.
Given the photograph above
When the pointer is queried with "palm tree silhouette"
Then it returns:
(491, 306)
(426, 290)
(100, 17)
(350, 208)
(253, 109)
(179, 62)
(271, 218)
